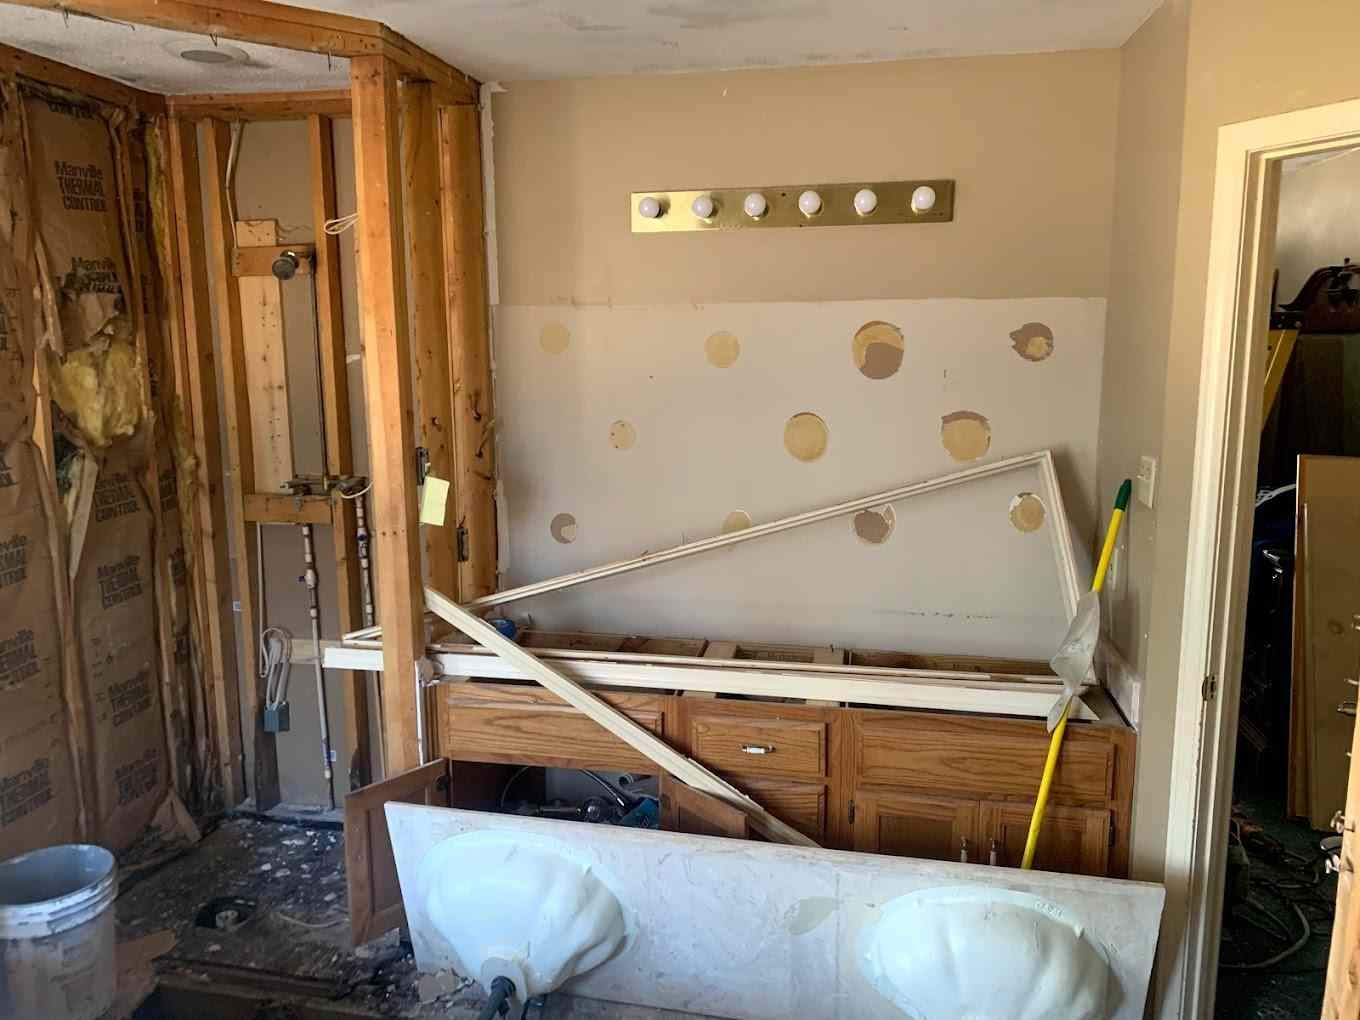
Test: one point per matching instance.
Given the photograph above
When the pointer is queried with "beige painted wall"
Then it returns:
(1030, 140)
(1152, 97)
(1319, 221)
(1242, 61)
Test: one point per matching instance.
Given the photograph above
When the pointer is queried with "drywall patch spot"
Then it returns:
(806, 436)
(967, 435)
(878, 348)
(1027, 512)
(874, 526)
(554, 338)
(622, 435)
(737, 520)
(563, 528)
(722, 349)
(1033, 341)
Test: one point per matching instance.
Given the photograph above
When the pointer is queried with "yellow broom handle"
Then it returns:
(1036, 821)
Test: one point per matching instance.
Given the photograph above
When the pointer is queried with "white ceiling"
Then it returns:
(149, 57)
(506, 40)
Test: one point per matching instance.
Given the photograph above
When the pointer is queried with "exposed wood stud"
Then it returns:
(387, 385)
(208, 504)
(429, 325)
(254, 106)
(339, 442)
(240, 452)
(474, 481)
(265, 365)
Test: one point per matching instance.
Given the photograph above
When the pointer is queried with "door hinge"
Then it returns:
(852, 812)
(1209, 688)
(462, 538)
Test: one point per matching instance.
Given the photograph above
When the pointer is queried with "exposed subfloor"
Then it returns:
(285, 951)
(1287, 881)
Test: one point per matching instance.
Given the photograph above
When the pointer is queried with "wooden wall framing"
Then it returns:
(392, 82)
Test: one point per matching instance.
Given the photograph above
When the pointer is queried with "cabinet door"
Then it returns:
(905, 825)
(375, 905)
(1075, 841)
(684, 809)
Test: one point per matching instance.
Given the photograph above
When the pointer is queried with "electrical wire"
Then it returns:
(354, 495)
(232, 153)
(1284, 954)
(276, 664)
(340, 224)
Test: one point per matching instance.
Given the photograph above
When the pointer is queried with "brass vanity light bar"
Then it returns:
(811, 205)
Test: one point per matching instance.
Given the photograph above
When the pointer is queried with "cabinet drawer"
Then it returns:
(502, 723)
(986, 757)
(760, 747)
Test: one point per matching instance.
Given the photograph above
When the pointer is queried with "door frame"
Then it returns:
(1227, 437)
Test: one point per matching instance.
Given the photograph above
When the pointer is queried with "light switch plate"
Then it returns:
(1146, 483)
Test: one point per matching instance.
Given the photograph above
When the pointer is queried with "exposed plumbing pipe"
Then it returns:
(309, 578)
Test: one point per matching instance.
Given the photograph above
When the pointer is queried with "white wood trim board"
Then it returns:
(641, 740)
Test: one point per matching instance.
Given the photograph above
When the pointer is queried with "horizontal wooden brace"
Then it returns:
(264, 508)
(259, 260)
(261, 105)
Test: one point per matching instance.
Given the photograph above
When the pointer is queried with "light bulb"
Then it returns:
(923, 199)
(810, 203)
(649, 208)
(865, 201)
(755, 205)
(703, 207)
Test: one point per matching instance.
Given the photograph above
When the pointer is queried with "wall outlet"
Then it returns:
(1146, 483)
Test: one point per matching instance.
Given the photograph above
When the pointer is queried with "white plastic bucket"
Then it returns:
(56, 933)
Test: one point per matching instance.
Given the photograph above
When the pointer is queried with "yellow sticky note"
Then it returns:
(434, 499)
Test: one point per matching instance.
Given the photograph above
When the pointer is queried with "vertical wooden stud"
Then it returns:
(240, 450)
(330, 323)
(208, 506)
(429, 324)
(387, 385)
(474, 480)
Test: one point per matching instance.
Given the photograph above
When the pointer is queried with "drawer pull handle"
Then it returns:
(757, 748)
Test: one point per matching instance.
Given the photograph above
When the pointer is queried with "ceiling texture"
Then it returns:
(509, 40)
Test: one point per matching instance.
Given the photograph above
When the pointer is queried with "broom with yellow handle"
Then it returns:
(1083, 633)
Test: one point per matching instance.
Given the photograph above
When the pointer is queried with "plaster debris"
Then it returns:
(563, 528)
(622, 435)
(1033, 341)
(737, 520)
(722, 349)
(806, 436)
(878, 348)
(967, 435)
(554, 338)
(874, 526)
(1027, 512)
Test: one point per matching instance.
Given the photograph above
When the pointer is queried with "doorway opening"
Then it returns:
(1300, 645)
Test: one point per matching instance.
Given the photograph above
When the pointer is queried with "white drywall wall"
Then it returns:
(954, 575)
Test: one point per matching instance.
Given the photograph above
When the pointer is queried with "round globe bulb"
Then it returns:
(865, 201)
(755, 205)
(810, 203)
(703, 207)
(923, 199)
(649, 208)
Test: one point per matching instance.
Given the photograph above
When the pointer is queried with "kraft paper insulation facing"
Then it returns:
(96, 643)
(39, 802)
